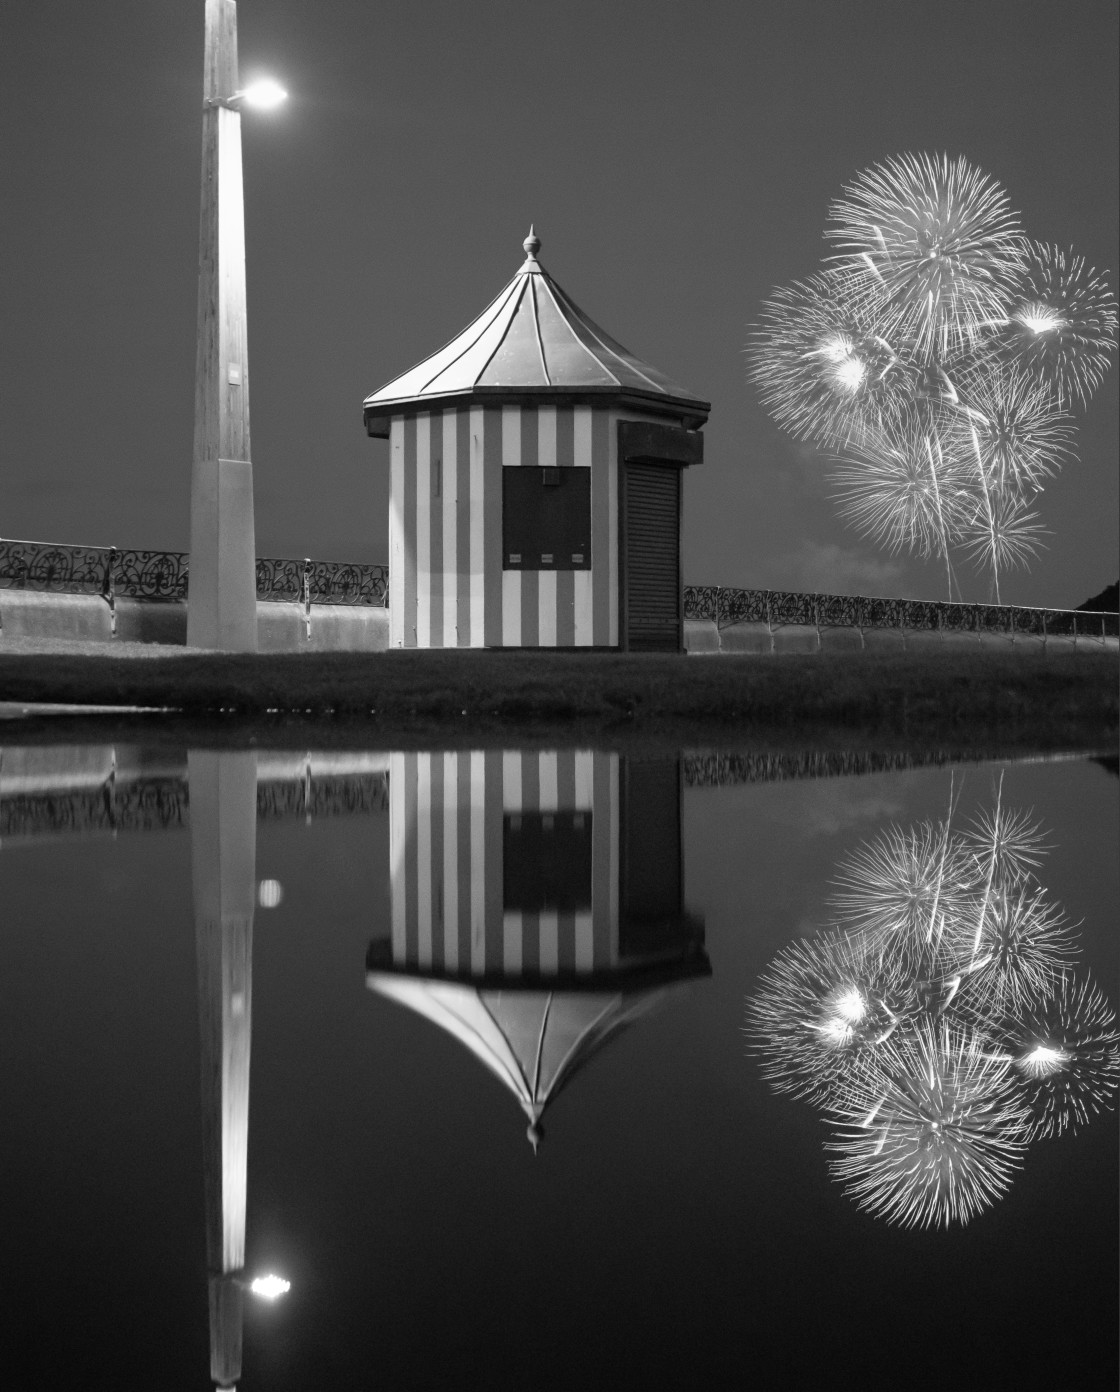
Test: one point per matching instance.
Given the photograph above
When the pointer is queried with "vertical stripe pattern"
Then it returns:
(447, 586)
(449, 820)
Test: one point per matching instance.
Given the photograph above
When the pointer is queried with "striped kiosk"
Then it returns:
(535, 492)
(537, 904)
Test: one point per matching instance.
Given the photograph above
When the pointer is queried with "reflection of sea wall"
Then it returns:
(720, 770)
(49, 792)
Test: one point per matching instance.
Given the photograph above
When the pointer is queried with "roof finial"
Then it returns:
(532, 244)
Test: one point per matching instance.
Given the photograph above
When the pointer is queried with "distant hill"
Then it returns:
(1106, 601)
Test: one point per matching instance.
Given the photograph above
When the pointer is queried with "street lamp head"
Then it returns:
(262, 95)
(270, 1287)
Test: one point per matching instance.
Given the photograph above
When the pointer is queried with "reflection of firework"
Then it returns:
(1061, 325)
(940, 1024)
(1022, 946)
(932, 1131)
(1065, 1049)
(822, 367)
(939, 246)
(821, 1005)
(907, 889)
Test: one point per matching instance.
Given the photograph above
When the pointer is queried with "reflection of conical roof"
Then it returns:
(534, 1041)
(532, 337)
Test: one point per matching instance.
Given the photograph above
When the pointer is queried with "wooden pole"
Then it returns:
(223, 813)
(222, 591)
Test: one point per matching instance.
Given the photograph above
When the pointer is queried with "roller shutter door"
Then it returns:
(651, 546)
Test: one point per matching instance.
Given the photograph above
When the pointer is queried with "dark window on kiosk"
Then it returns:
(546, 519)
(546, 862)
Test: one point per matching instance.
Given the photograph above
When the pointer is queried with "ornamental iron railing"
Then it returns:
(725, 606)
(162, 575)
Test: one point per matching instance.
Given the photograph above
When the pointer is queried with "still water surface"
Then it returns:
(560, 1069)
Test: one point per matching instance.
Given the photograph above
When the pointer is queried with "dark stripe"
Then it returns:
(565, 608)
(602, 543)
(530, 608)
(492, 524)
(566, 933)
(408, 529)
(494, 853)
(435, 523)
(530, 780)
(463, 525)
(530, 944)
(565, 436)
(529, 441)
(566, 780)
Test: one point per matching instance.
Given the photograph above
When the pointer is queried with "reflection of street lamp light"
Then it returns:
(270, 1287)
(222, 588)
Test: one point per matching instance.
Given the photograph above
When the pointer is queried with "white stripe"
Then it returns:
(478, 861)
(513, 932)
(423, 530)
(585, 942)
(612, 527)
(511, 780)
(424, 859)
(477, 513)
(585, 780)
(511, 437)
(550, 942)
(581, 429)
(511, 608)
(582, 596)
(546, 437)
(450, 502)
(396, 533)
(546, 609)
(398, 840)
(548, 773)
(450, 862)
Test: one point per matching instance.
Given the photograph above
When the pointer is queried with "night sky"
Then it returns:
(678, 161)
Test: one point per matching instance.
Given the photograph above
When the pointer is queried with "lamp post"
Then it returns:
(222, 589)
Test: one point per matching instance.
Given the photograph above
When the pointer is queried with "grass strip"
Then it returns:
(1068, 699)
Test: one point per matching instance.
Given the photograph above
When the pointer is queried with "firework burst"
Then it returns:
(1019, 433)
(821, 1006)
(936, 245)
(1065, 1050)
(1061, 323)
(823, 368)
(938, 355)
(932, 1130)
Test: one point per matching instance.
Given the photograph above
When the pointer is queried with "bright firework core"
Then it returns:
(1043, 1060)
(1040, 319)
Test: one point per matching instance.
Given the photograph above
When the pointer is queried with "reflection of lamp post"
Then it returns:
(222, 594)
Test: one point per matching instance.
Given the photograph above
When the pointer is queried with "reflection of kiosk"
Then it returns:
(537, 904)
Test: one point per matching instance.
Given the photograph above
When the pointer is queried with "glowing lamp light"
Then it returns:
(270, 1287)
(269, 894)
(264, 95)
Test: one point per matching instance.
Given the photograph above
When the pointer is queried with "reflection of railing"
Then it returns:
(723, 606)
(162, 575)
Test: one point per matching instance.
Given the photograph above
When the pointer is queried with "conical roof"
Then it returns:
(533, 339)
(533, 1041)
